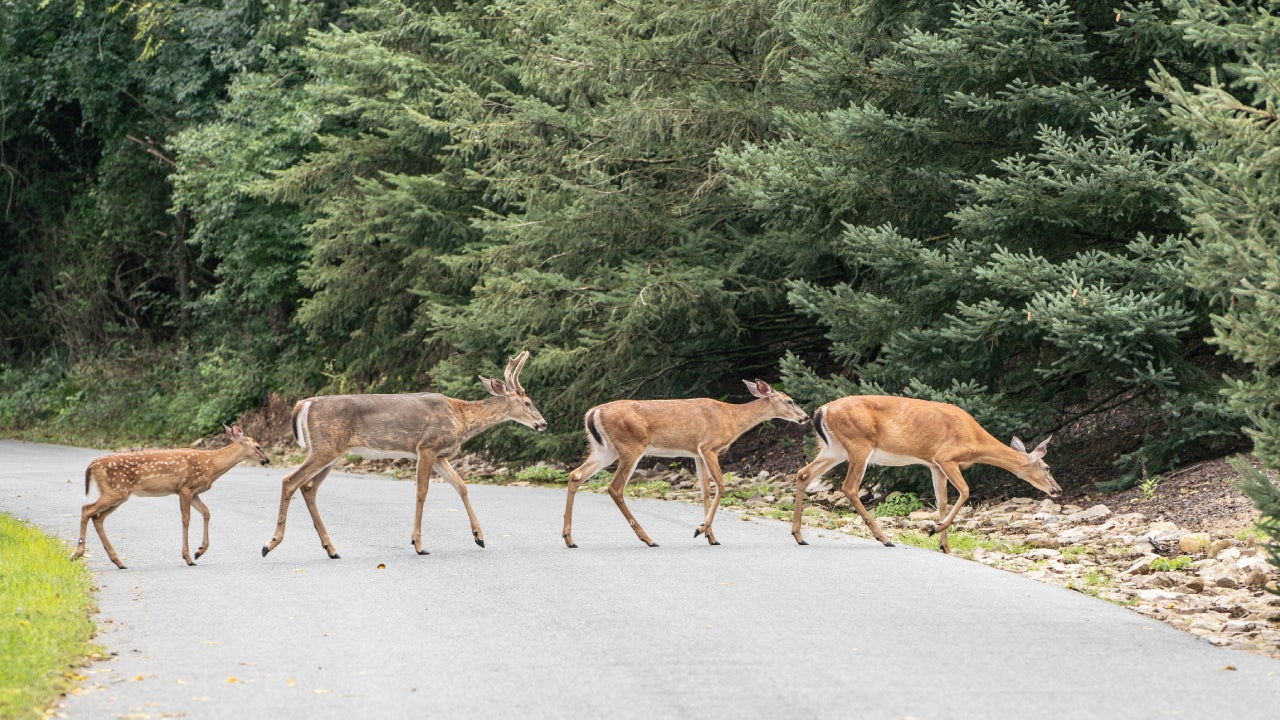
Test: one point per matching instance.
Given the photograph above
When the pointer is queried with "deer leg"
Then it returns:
(952, 473)
(423, 473)
(940, 492)
(444, 468)
(594, 464)
(309, 490)
(309, 470)
(709, 469)
(200, 507)
(805, 478)
(87, 512)
(626, 466)
(184, 504)
(98, 519)
(852, 482)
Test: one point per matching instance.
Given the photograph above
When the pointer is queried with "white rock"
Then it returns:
(1097, 512)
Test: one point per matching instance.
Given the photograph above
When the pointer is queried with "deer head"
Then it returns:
(521, 408)
(1036, 471)
(783, 406)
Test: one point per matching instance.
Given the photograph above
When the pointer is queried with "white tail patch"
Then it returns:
(301, 431)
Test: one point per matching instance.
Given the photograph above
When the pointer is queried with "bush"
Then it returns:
(898, 504)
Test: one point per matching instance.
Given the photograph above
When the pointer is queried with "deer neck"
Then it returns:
(1002, 456)
(744, 416)
(225, 458)
(476, 416)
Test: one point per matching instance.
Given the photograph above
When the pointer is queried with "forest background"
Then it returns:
(1062, 216)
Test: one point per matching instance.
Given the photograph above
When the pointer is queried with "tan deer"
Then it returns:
(428, 427)
(155, 473)
(877, 430)
(700, 428)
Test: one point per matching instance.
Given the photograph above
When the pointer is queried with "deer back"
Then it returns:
(908, 428)
(389, 424)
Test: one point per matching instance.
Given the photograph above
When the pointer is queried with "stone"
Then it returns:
(1043, 540)
(1193, 543)
(923, 515)
(1097, 512)
(1195, 585)
(1217, 546)
(1163, 531)
(1048, 506)
(1255, 579)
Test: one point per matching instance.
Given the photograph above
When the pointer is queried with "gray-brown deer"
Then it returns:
(155, 473)
(878, 430)
(699, 428)
(428, 427)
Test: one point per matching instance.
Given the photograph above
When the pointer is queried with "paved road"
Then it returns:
(755, 628)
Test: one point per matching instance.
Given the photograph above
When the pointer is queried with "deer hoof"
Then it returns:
(715, 542)
(480, 542)
(572, 545)
(889, 544)
(931, 529)
(802, 542)
(265, 550)
(423, 552)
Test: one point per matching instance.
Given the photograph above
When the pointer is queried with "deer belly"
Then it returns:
(880, 457)
(668, 452)
(375, 454)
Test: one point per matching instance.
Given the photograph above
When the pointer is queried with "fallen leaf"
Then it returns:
(290, 682)
(1228, 667)
(320, 691)
(137, 678)
(382, 566)
(233, 680)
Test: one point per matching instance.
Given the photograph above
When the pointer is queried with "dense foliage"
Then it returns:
(1233, 211)
(981, 203)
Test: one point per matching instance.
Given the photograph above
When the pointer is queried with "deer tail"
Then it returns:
(819, 424)
(301, 433)
(593, 427)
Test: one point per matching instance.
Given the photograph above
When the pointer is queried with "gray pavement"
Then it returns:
(755, 628)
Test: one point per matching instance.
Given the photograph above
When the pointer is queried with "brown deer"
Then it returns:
(155, 473)
(428, 427)
(877, 430)
(699, 428)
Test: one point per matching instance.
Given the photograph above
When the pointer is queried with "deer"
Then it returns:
(698, 428)
(183, 472)
(892, 431)
(427, 427)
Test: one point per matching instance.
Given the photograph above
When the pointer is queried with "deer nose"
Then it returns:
(541, 426)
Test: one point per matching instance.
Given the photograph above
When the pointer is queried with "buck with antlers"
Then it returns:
(876, 430)
(155, 473)
(701, 428)
(428, 427)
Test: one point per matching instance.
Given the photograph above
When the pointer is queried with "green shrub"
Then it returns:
(1177, 564)
(898, 504)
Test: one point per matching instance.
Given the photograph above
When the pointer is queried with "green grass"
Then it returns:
(46, 608)
(1182, 562)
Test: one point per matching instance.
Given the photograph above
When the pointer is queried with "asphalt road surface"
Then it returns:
(527, 628)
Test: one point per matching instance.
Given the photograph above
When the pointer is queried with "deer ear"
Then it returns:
(759, 388)
(495, 387)
(234, 431)
(1041, 449)
(1016, 444)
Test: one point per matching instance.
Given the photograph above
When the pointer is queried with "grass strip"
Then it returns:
(46, 619)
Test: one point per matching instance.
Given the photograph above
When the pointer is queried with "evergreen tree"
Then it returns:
(1232, 210)
(999, 198)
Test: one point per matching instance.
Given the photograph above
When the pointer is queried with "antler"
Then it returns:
(514, 366)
